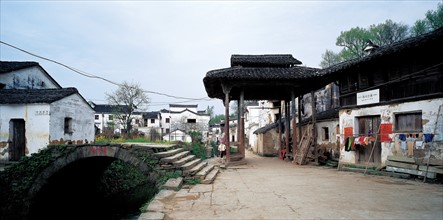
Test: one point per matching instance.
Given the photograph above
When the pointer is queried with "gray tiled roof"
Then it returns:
(24, 96)
(263, 82)
(110, 108)
(267, 60)
(9, 66)
(430, 40)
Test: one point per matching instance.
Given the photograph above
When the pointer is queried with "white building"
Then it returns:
(183, 119)
(106, 121)
(35, 111)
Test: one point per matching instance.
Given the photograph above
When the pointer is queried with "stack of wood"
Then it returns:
(410, 166)
(321, 154)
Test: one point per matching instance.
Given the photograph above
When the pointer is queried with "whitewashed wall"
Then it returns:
(36, 117)
(82, 116)
(29, 78)
(429, 108)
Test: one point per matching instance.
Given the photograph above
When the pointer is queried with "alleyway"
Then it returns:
(268, 188)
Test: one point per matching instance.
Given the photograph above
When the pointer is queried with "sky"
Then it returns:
(167, 47)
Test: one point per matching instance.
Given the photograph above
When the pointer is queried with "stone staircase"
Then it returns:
(190, 167)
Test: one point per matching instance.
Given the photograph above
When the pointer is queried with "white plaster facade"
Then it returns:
(186, 118)
(428, 108)
(45, 123)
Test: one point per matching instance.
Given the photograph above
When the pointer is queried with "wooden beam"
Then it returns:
(314, 128)
(226, 90)
(294, 125)
(241, 123)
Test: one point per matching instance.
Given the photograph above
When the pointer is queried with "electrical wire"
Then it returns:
(89, 75)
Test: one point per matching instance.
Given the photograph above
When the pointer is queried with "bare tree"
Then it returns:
(126, 99)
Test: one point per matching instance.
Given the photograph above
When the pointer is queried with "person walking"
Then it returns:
(222, 148)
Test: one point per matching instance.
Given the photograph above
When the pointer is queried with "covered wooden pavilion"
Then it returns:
(262, 77)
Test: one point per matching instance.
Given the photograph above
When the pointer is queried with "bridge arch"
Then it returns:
(88, 151)
(65, 159)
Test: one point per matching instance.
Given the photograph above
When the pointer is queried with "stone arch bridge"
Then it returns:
(20, 183)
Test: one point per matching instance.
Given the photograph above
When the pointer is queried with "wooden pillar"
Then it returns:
(294, 124)
(300, 98)
(226, 90)
(241, 122)
(314, 128)
(279, 139)
(287, 126)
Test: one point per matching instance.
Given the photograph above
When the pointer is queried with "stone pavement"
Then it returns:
(269, 188)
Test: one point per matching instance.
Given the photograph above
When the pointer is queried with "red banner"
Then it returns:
(385, 131)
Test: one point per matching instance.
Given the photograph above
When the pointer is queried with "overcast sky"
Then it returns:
(169, 46)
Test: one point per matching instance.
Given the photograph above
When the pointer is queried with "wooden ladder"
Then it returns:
(303, 147)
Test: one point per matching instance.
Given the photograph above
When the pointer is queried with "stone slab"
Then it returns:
(151, 216)
(173, 184)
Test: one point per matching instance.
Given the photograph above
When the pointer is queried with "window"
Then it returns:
(111, 117)
(408, 122)
(68, 125)
(97, 117)
(152, 121)
(167, 130)
(137, 121)
(192, 120)
(145, 122)
(325, 133)
(167, 120)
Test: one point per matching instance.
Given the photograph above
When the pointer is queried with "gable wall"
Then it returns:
(82, 120)
(29, 78)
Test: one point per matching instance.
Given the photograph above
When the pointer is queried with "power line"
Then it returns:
(89, 75)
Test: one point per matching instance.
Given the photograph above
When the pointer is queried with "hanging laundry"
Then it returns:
(361, 140)
(419, 145)
(402, 137)
(428, 137)
(403, 145)
(346, 144)
(410, 148)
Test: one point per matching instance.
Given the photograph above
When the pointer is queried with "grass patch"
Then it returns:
(193, 181)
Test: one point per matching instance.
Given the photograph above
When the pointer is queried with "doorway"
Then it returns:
(367, 126)
(17, 139)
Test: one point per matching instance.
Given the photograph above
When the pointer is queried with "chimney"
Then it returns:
(370, 47)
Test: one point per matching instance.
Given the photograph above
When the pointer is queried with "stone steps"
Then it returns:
(203, 172)
(168, 153)
(190, 164)
(210, 177)
(195, 169)
(183, 160)
(173, 158)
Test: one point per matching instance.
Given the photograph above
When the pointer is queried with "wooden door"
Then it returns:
(367, 126)
(17, 139)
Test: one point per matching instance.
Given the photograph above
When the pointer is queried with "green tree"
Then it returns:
(216, 119)
(330, 58)
(126, 99)
(432, 21)
(353, 42)
(388, 32)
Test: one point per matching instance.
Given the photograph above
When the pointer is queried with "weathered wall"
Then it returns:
(330, 145)
(82, 116)
(29, 78)
(36, 117)
(429, 109)
(266, 144)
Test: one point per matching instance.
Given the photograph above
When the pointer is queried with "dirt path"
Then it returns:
(268, 188)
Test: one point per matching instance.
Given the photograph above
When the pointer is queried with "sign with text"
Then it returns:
(368, 97)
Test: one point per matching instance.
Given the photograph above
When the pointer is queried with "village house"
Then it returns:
(395, 91)
(106, 121)
(35, 111)
(181, 119)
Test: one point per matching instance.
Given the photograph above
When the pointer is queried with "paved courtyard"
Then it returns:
(269, 188)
